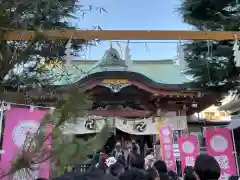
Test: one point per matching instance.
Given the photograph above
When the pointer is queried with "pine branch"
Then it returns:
(63, 151)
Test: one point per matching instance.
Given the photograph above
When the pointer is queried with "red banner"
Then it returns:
(189, 150)
(219, 144)
(167, 147)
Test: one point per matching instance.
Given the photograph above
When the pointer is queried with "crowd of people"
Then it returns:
(118, 166)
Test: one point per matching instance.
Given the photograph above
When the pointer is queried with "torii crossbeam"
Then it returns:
(125, 35)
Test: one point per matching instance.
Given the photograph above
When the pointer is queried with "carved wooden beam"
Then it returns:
(125, 35)
(121, 113)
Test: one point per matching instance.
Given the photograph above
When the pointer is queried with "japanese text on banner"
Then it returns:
(189, 150)
(219, 145)
(167, 147)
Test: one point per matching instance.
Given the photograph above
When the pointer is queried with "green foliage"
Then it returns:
(214, 70)
(211, 63)
(211, 14)
(20, 61)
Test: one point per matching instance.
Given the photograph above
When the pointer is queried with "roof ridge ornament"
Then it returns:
(112, 60)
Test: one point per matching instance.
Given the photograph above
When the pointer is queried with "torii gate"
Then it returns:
(125, 35)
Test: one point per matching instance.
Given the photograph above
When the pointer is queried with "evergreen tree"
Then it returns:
(22, 62)
(211, 63)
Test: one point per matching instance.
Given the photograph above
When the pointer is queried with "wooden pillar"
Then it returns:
(182, 112)
(157, 148)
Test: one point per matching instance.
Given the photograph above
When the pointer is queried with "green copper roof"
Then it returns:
(161, 71)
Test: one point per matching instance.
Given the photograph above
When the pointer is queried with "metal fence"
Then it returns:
(77, 168)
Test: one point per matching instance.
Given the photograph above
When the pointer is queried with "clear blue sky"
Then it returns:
(135, 15)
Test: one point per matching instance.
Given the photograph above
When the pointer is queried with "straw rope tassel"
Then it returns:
(181, 55)
(209, 58)
(177, 60)
(236, 52)
(127, 55)
(68, 51)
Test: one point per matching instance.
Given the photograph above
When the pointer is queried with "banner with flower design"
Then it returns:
(219, 144)
(189, 150)
(21, 123)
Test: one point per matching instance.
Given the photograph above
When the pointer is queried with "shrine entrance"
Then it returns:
(145, 142)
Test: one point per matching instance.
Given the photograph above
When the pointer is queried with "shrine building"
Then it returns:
(134, 95)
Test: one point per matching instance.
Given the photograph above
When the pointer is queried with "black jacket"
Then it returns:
(121, 158)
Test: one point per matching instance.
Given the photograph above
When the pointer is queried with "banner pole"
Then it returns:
(235, 151)
(1, 125)
(1, 118)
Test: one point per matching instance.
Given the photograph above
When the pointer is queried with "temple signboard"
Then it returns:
(115, 81)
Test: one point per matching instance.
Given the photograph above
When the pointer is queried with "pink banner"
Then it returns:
(18, 123)
(167, 147)
(189, 150)
(219, 144)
